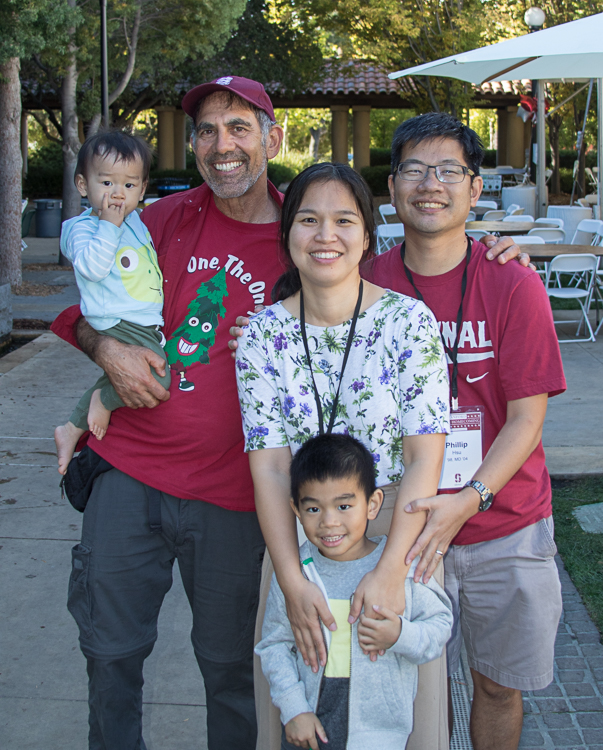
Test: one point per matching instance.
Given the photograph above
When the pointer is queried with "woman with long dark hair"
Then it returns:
(336, 353)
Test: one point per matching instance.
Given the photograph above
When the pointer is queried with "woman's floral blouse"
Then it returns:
(395, 382)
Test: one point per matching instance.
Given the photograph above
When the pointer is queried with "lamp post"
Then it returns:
(535, 18)
(104, 64)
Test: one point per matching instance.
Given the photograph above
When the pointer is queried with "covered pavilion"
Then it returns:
(358, 87)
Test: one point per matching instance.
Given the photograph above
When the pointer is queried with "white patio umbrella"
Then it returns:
(569, 52)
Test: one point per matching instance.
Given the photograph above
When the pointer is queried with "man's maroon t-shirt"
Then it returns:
(507, 350)
(214, 269)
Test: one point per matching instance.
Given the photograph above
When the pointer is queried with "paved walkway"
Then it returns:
(42, 673)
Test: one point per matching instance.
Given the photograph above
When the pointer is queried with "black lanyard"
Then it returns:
(302, 316)
(452, 353)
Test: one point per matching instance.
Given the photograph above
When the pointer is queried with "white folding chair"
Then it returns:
(386, 209)
(552, 236)
(471, 216)
(523, 217)
(514, 210)
(587, 232)
(475, 234)
(487, 204)
(389, 235)
(592, 180)
(584, 265)
(527, 239)
(550, 222)
(497, 215)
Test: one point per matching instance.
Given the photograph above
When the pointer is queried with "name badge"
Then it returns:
(464, 449)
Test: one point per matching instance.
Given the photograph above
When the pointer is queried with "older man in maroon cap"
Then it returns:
(180, 487)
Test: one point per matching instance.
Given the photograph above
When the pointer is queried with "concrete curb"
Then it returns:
(18, 357)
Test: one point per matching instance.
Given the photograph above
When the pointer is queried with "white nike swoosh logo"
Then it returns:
(473, 380)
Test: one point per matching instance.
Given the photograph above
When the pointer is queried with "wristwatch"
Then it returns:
(486, 495)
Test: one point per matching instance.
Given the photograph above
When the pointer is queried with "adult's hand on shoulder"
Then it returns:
(305, 605)
(129, 370)
(504, 249)
(236, 331)
(446, 514)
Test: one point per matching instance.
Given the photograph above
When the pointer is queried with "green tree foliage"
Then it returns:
(151, 44)
(27, 26)
(398, 35)
(270, 48)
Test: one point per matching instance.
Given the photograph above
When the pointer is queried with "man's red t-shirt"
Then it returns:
(214, 269)
(507, 350)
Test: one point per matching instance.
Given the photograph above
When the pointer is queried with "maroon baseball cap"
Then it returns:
(252, 91)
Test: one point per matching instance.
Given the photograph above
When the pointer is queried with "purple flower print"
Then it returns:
(405, 355)
(303, 389)
(269, 369)
(357, 385)
(376, 457)
(305, 409)
(288, 404)
(280, 342)
(257, 432)
(372, 337)
(242, 365)
(385, 376)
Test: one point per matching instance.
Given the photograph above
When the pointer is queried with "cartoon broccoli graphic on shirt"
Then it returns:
(190, 343)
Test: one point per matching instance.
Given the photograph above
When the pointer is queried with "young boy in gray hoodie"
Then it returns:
(352, 703)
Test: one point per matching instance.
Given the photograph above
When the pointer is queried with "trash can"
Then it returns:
(48, 218)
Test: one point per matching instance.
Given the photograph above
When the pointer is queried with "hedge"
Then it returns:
(377, 178)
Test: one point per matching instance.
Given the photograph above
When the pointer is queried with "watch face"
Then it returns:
(486, 501)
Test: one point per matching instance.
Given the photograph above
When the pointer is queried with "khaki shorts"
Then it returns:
(506, 599)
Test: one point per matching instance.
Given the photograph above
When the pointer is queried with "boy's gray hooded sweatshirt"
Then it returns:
(382, 692)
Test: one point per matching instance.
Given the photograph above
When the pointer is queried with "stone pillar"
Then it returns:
(501, 149)
(24, 142)
(179, 139)
(165, 137)
(362, 137)
(515, 150)
(339, 133)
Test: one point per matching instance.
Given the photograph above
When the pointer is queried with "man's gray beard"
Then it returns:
(237, 189)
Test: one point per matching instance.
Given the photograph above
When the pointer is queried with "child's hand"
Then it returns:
(301, 731)
(379, 635)
(113, 214)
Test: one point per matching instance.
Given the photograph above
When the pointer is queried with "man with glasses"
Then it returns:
(496, 531)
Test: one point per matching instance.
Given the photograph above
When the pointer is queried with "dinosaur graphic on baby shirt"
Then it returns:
(190, 343)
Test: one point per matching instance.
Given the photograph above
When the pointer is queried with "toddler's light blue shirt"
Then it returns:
(116, 270)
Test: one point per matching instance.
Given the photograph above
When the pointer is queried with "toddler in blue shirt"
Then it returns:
(116, 269)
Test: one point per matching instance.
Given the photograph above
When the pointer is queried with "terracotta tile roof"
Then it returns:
(358, 77)
(506, 87)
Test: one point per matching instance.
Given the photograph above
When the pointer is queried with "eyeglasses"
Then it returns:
(414, 172)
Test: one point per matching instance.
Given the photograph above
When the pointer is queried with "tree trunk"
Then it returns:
(71, 142)
(11, 165)
(555, 122)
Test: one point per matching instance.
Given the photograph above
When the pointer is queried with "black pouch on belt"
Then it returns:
(78, 480)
